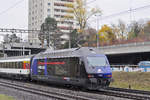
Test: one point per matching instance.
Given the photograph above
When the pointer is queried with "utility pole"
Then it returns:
(49, 39)
(70, 36)
(3, 48)
(97, 35)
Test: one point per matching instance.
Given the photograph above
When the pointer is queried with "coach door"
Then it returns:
(26, 65)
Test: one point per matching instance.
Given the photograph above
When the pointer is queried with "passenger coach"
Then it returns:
(15, 67)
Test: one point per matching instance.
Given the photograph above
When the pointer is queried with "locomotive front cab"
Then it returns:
(98, 69)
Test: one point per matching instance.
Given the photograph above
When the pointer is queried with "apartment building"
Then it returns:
(58, 9)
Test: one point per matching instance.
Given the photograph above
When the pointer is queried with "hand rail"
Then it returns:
(125, 45)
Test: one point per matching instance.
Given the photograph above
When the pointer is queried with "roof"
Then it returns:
(74, 52)
(16, 57)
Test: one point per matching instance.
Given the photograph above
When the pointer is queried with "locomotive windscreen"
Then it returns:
(97, 61)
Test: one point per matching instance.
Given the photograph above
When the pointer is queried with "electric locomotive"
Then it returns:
(83, 67)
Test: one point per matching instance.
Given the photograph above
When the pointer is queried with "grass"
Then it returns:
(4, 97)
(137, 80)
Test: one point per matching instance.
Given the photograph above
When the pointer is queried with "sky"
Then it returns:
(14, 13)
(109, 7)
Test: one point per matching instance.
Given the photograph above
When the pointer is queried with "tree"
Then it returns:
(90, 37)
(6, 38)
(122, 30)
(73, 40)
(50, 33)
(106, 34)
(14, 38)
(147, 28)
(135, 30)
(81, 13)
(11, 38)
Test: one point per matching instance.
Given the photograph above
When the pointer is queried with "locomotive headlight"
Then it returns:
(99, 71)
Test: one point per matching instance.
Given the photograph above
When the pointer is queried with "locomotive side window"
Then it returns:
(82, 70)
(57, 66)
(74, 66)
(50, 68)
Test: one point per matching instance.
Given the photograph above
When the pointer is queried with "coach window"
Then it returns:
(14, 65)
(4, 64)
(0, 65)
(21, 65)
(7, 64)
(11, 64)
(17, 65)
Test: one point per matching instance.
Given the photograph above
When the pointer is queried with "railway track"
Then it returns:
(130, 90)
(53, 95)
(126, 93)
(115, 92)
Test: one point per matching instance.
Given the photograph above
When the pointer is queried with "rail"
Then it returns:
(45, 93)
(130, 90)
(124, 65)
(89, 95)
(131, 66)
(123, 93)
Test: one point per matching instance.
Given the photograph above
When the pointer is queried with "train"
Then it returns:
(83, 67)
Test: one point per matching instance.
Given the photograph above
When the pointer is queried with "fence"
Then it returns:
(129, 68)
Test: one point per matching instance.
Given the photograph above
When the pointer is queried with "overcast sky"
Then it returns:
(17, 16)
(110, 7)
(14, 13)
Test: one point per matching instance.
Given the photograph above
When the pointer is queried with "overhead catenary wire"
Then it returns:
(124, 12)
(11, 7)
(92, 1)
